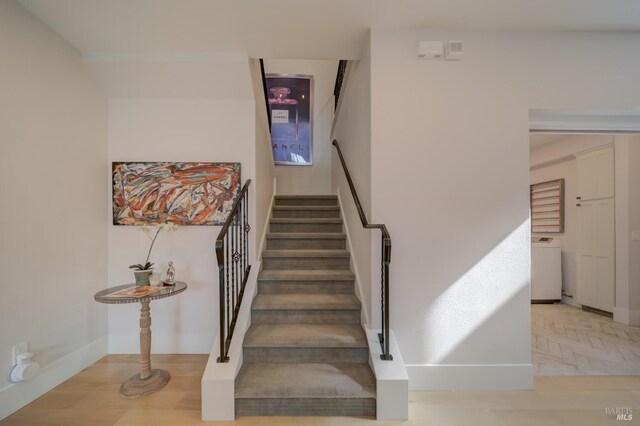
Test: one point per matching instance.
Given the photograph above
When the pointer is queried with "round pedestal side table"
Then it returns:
(148, 380)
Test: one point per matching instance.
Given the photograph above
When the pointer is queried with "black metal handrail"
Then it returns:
(342, 69)
(232, 253)
(266, 93)
(385, 260)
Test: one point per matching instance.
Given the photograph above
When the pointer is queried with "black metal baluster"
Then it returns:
(235, 255)
(382, 336)
(227, 294)
(247, 228)
(243, 222)
(221, 358)
(233, 264)
(233, 268)
(240, 234)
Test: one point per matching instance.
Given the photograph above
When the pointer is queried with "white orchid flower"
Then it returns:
(168, 226)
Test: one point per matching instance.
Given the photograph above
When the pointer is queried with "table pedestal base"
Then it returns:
(136, 387)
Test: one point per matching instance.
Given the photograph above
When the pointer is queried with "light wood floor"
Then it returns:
(91, 398)
(569, 341)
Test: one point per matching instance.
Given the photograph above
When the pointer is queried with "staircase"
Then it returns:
(305, 352)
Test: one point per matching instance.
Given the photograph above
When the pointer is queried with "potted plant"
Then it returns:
(142, 271)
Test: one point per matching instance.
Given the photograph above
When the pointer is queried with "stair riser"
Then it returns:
(305, 287)
(316, 316)
(306, 214)
(330, 263)
(309, 244)
(306, 201)
(306, 227)
(358, 355)
(305, 407)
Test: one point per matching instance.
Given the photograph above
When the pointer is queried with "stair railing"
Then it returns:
(232, 253)
(384, 261)
(266, 93)
(337, 89)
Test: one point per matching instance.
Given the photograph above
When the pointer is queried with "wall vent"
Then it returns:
(453, 50)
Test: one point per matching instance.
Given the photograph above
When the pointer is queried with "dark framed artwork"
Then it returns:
(195, 193)
(291, 109)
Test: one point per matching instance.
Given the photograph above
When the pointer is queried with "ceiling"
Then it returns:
(311, 29)
(536, 140)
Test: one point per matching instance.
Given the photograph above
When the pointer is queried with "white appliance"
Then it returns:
(546, 269)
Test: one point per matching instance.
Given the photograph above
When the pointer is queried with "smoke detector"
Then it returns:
(430, 49)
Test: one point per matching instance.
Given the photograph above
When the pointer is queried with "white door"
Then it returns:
(596, 260)
(596, 174)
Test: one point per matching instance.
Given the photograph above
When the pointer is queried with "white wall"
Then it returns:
(627, 156)
(174, 107)
(557, 160)
(450, 173)
(175, 130)
(265, 169)
(53, 219)
(352, 130)
(314, 179)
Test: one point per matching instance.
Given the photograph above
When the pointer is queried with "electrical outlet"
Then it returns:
(635, 235)
(18, 349)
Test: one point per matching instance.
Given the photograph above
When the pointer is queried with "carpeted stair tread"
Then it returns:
(306, 197)
(305, 352)
(305, 335)
(309, 302)
(305, 380)
(307, 235)
(304, 208)
(286, 220)
(305, 253)
(305, 275)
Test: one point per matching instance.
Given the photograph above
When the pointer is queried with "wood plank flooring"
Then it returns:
(569, 341)
(91, 398)
(566, 341)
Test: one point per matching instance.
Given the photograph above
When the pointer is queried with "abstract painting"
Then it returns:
(291, 109)
(183, 193)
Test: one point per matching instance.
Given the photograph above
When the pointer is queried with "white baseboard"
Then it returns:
(470, 377)
(162, 343)
(17, 395)
(626, 316)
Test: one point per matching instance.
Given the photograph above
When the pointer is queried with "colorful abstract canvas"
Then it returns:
(182, 193)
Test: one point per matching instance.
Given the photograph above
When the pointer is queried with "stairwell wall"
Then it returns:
(263, 186)
(352, 129)
(314, 179)
(450, 176)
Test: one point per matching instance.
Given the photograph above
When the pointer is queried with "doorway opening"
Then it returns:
(581, 208)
